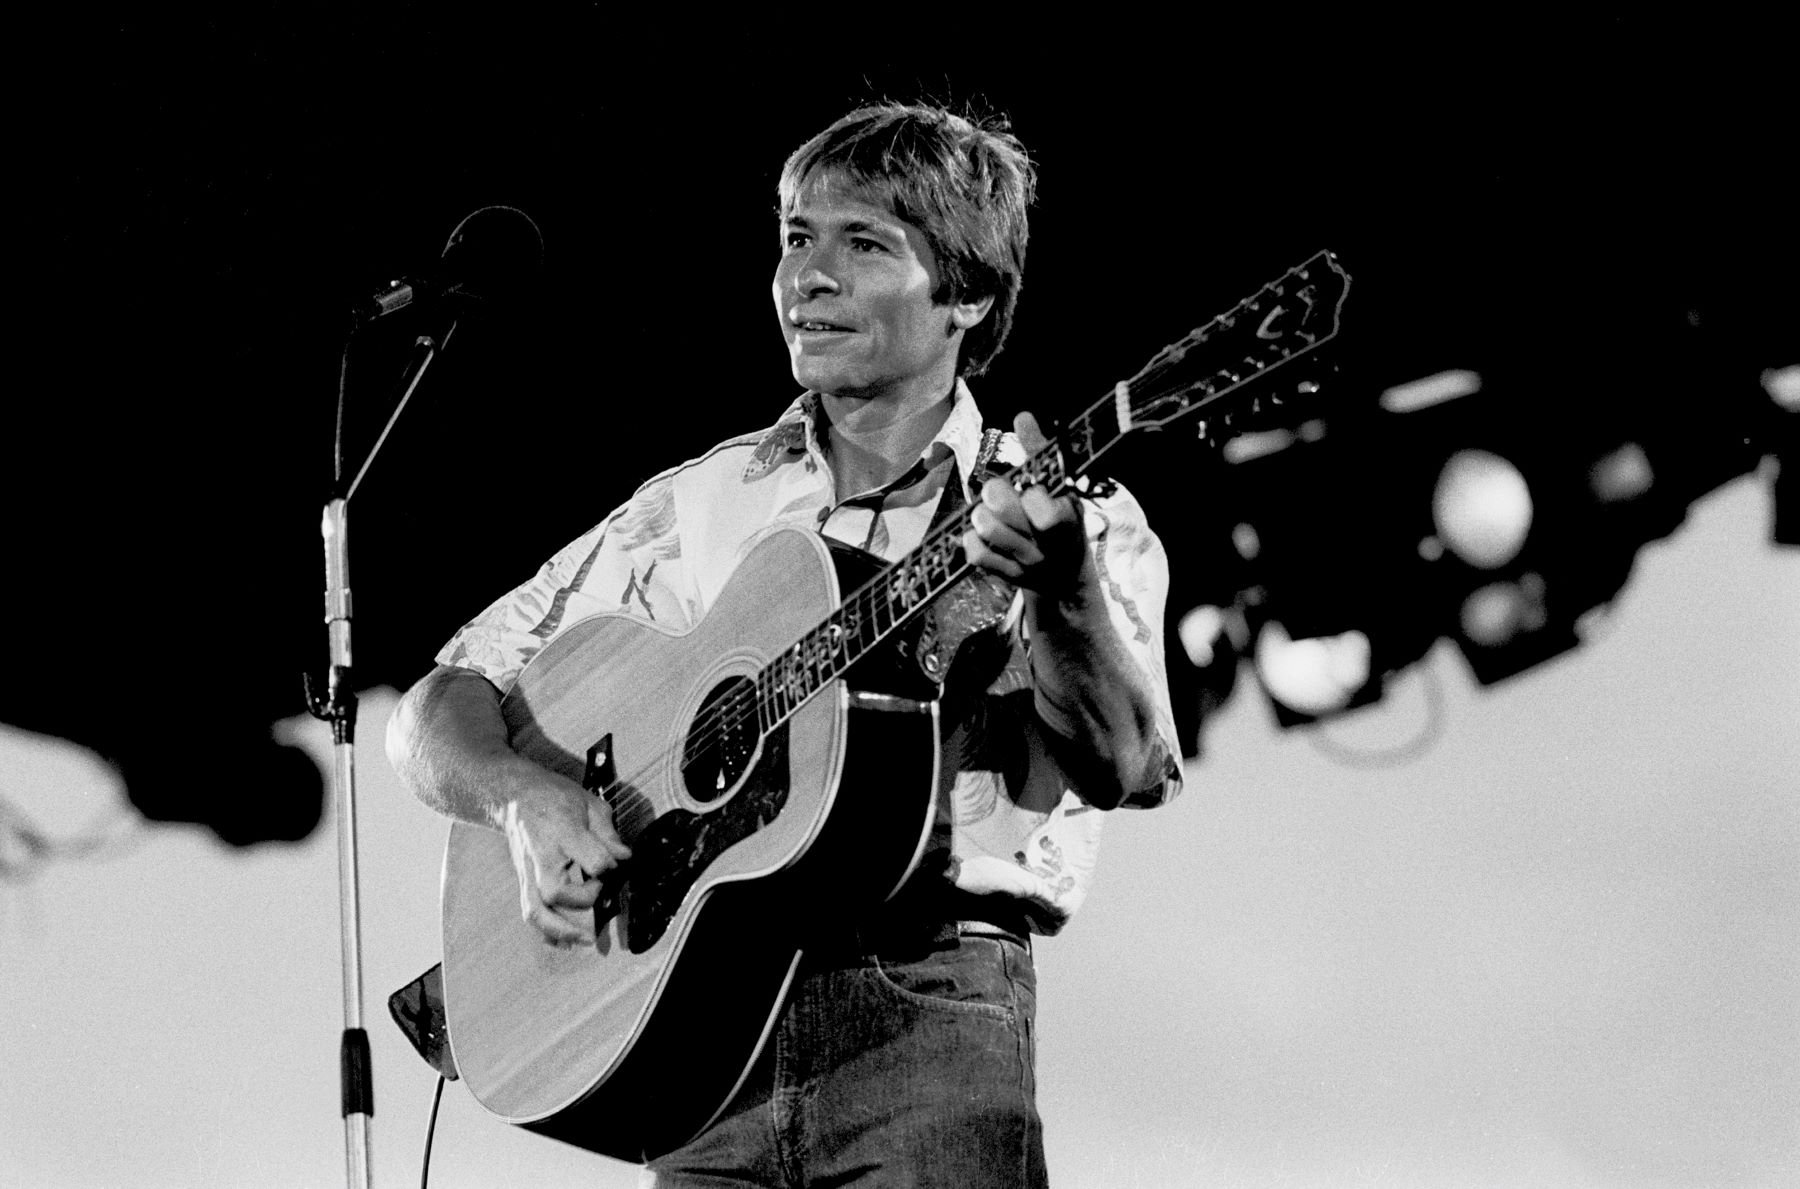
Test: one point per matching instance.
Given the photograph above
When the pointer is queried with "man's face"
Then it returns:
(853, 292)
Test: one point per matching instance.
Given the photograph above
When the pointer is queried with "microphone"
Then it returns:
(494, 256)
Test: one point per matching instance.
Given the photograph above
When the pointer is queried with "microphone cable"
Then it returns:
(431, 1130)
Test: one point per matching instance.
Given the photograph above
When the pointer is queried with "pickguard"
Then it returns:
(670, 854)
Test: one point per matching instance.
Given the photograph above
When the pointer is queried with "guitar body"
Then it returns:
(744, 841)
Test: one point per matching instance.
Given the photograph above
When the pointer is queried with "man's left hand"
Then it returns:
(1033, 540)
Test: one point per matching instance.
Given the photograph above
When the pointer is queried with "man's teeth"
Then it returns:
(819, 326)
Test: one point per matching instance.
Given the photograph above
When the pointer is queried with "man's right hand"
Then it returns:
(448, 744)
(562, 842)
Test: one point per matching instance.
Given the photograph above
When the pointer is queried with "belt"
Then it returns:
(990, 929)
(913, 926)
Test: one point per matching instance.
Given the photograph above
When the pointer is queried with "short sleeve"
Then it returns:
(629, 563)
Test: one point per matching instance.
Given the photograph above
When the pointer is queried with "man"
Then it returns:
(904, 1055)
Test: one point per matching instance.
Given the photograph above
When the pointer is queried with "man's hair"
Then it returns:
(964, 183)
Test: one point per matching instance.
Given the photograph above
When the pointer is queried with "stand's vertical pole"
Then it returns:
(339, 708)
(356, 1074)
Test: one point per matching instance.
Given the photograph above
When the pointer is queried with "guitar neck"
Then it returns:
(1288, 318)
(867, 616)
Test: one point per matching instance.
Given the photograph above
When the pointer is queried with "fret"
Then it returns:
(799, 672)
(791, 693)
(1045, 468)
(883, 612)
(777, 691)
(869, 624)
(859, 627)
(1078, 443)
(822, 654)
(769, 694)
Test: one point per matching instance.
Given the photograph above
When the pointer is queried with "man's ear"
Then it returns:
(966, 314)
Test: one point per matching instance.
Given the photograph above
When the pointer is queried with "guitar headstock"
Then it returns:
(1285, 319)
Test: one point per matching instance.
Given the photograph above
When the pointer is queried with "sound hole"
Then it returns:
(722, 740)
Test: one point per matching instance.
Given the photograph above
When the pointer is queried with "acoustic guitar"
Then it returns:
(773, 772)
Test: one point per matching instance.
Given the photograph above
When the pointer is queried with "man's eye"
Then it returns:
(868, 245)
(794, 239)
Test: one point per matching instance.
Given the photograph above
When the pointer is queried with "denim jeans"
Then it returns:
(904, 1066)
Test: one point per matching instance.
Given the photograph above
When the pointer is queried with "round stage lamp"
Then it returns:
(1313, 676)
(1498, 613)
(1482, 508)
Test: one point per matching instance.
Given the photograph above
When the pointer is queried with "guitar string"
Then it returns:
(736, 710)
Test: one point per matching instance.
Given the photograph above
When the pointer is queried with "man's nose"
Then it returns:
(816, 274)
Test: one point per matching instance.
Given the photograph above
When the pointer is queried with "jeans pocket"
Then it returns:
(969, 977)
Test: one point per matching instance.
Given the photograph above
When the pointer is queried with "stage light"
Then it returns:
(1494, 615)
(1212, 638)
(1622, 474)
(1202, 635)
(1314, 676)
(1783, 384)
(1431, 390)
(1482, 508)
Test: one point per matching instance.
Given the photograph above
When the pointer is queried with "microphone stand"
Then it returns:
(338, 707)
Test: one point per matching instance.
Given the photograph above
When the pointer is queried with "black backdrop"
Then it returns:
(1554, 205)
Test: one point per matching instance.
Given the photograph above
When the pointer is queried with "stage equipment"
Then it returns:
(494, 254)
(1328, 520)
(1482, 508)
(1315, 676)
(1503, 511)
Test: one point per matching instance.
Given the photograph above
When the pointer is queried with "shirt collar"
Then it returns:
(790, 437)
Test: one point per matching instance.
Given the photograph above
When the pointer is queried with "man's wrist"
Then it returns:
(524, 789)
(1081, 606)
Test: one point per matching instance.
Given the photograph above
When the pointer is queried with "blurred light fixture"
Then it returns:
(1482, 508)
(1495, 615)
(1212, 639)
(1622, 474)
(1246, 540)
(1431, 390)
(1202, 633)
(1783, 384)
(1313, 676)
(1246, 447)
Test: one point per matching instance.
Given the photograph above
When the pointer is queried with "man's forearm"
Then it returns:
(1094, 697)
(448, 743)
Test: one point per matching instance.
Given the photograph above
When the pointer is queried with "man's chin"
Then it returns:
(821, 375)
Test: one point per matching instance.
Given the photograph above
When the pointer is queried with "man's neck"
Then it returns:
(872, 441)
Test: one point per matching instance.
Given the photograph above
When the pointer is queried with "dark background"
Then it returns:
(1592, 214)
